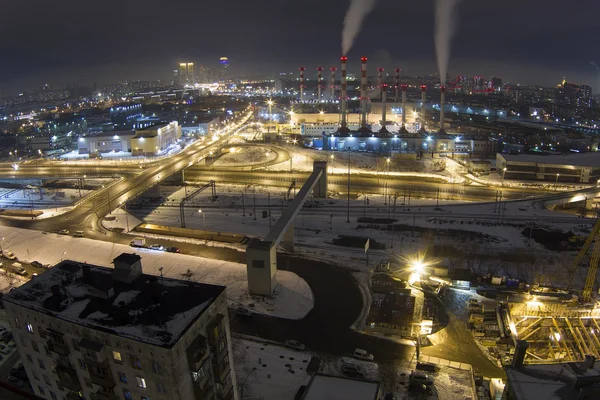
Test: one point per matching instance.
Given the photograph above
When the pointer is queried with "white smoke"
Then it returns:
(445, 25)
(355, 16)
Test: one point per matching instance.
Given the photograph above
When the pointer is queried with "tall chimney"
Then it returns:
(397, 70)
(423, 92)
(384, 88)
(319, 82)
(344, 96)
(380, 79)
(404, 88)
(301, 69)
(442, 101)
(363, 93)
(333, 69)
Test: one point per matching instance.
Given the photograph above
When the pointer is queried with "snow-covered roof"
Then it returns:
(577, 159)
(150, 309)
(551, 381)
(336, 388)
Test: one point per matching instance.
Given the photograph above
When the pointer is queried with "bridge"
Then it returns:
(261, 255)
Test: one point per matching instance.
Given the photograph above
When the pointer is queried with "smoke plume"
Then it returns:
(355, 16)
(445, 25)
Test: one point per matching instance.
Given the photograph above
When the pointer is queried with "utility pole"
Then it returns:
(269, 208)
(254, 208)
(243, 205)
(348, 213)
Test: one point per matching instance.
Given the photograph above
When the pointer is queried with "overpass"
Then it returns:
(261, 255)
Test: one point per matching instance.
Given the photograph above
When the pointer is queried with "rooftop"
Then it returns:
(577, 159)
(553, 381)
(336, 388)
(150, 309)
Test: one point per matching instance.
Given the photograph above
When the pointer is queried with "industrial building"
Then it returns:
(86, 331)
(105, 142)
(571, 168)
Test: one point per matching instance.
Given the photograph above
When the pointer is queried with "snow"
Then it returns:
(336, 388)
(125, 297)
(293, 298)
(123, 221)
(245, 156)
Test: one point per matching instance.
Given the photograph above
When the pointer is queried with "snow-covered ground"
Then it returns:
(293, 298)
(120, 220)
(246, 155)
(46, 198)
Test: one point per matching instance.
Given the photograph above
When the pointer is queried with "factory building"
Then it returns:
(99, 333)
(154, 139)
(571, 168)
(105, 142)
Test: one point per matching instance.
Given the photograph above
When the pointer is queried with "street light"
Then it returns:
(203, 219)
(504, 175)
(556, 183)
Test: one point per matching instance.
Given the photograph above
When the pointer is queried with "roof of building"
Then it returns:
(153, 310)
(552, 381)
(112, 134)
(338, 388)
(577, 159)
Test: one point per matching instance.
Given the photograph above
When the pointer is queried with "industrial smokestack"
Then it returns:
(333, 69)
(380, 79)
(423, 92)
(442, 101)
(363, 93)
(344, 95)
(383, 108)
(404, 88)
(301, 69)
(319, 82)
(397, 83)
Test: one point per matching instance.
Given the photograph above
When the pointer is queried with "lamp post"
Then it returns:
(556, 182)
(203, 219)
(504, 175)
(332, 158)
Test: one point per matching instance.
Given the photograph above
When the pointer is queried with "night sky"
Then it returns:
(67, 41)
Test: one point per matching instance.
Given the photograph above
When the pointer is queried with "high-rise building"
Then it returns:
(187, 74)
(495, 84)
(85, 331)
(571, 99)
(223, 68)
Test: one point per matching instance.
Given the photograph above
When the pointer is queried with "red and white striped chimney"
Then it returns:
(404, 89)
(333, 69)
(319, 82)
(384, 88)
(423, 93)
(301, 69)
(397, 70)
(442, 101)
(380, 79)
(363, 93)
(344, 94)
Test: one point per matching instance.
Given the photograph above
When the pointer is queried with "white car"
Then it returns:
(420, 377)
(363, 355)
(9, 254)
(157, 247)
(63, 232)
(294, 344)
(352, 369)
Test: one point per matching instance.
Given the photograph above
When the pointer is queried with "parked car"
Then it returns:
(9, 254)
(352, 369)
(37, 264)
(156, 247)
(243, 311)
(19, 269)
(63, 232)
(138, 242)
(172, 249)
(420, 377)
(79, 234)
(294, 344)
(363, 355)
(16, 381)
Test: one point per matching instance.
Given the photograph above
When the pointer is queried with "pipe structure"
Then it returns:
(333, 69)
(344, 95)
(384, 88)
(319, 82)
(404, 89)
(301, 69)
(363, 93)
(423, 92)
(397, 87)
(380, 79)
(442, 101)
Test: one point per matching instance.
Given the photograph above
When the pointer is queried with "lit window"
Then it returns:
(141, 382)
(29, 327)
(117, 356)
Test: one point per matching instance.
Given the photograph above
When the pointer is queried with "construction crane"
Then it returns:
(594, 239)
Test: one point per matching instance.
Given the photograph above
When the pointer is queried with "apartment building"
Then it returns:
(91, 332)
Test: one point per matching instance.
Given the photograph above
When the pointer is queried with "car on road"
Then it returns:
(63, 232)
(242, 311)
(352, 369)
(420, 378)
(172, 249)
(79, 234)
(16, 381)
(156, 247)
(363, 355)
(294, 344)
(9, 254)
